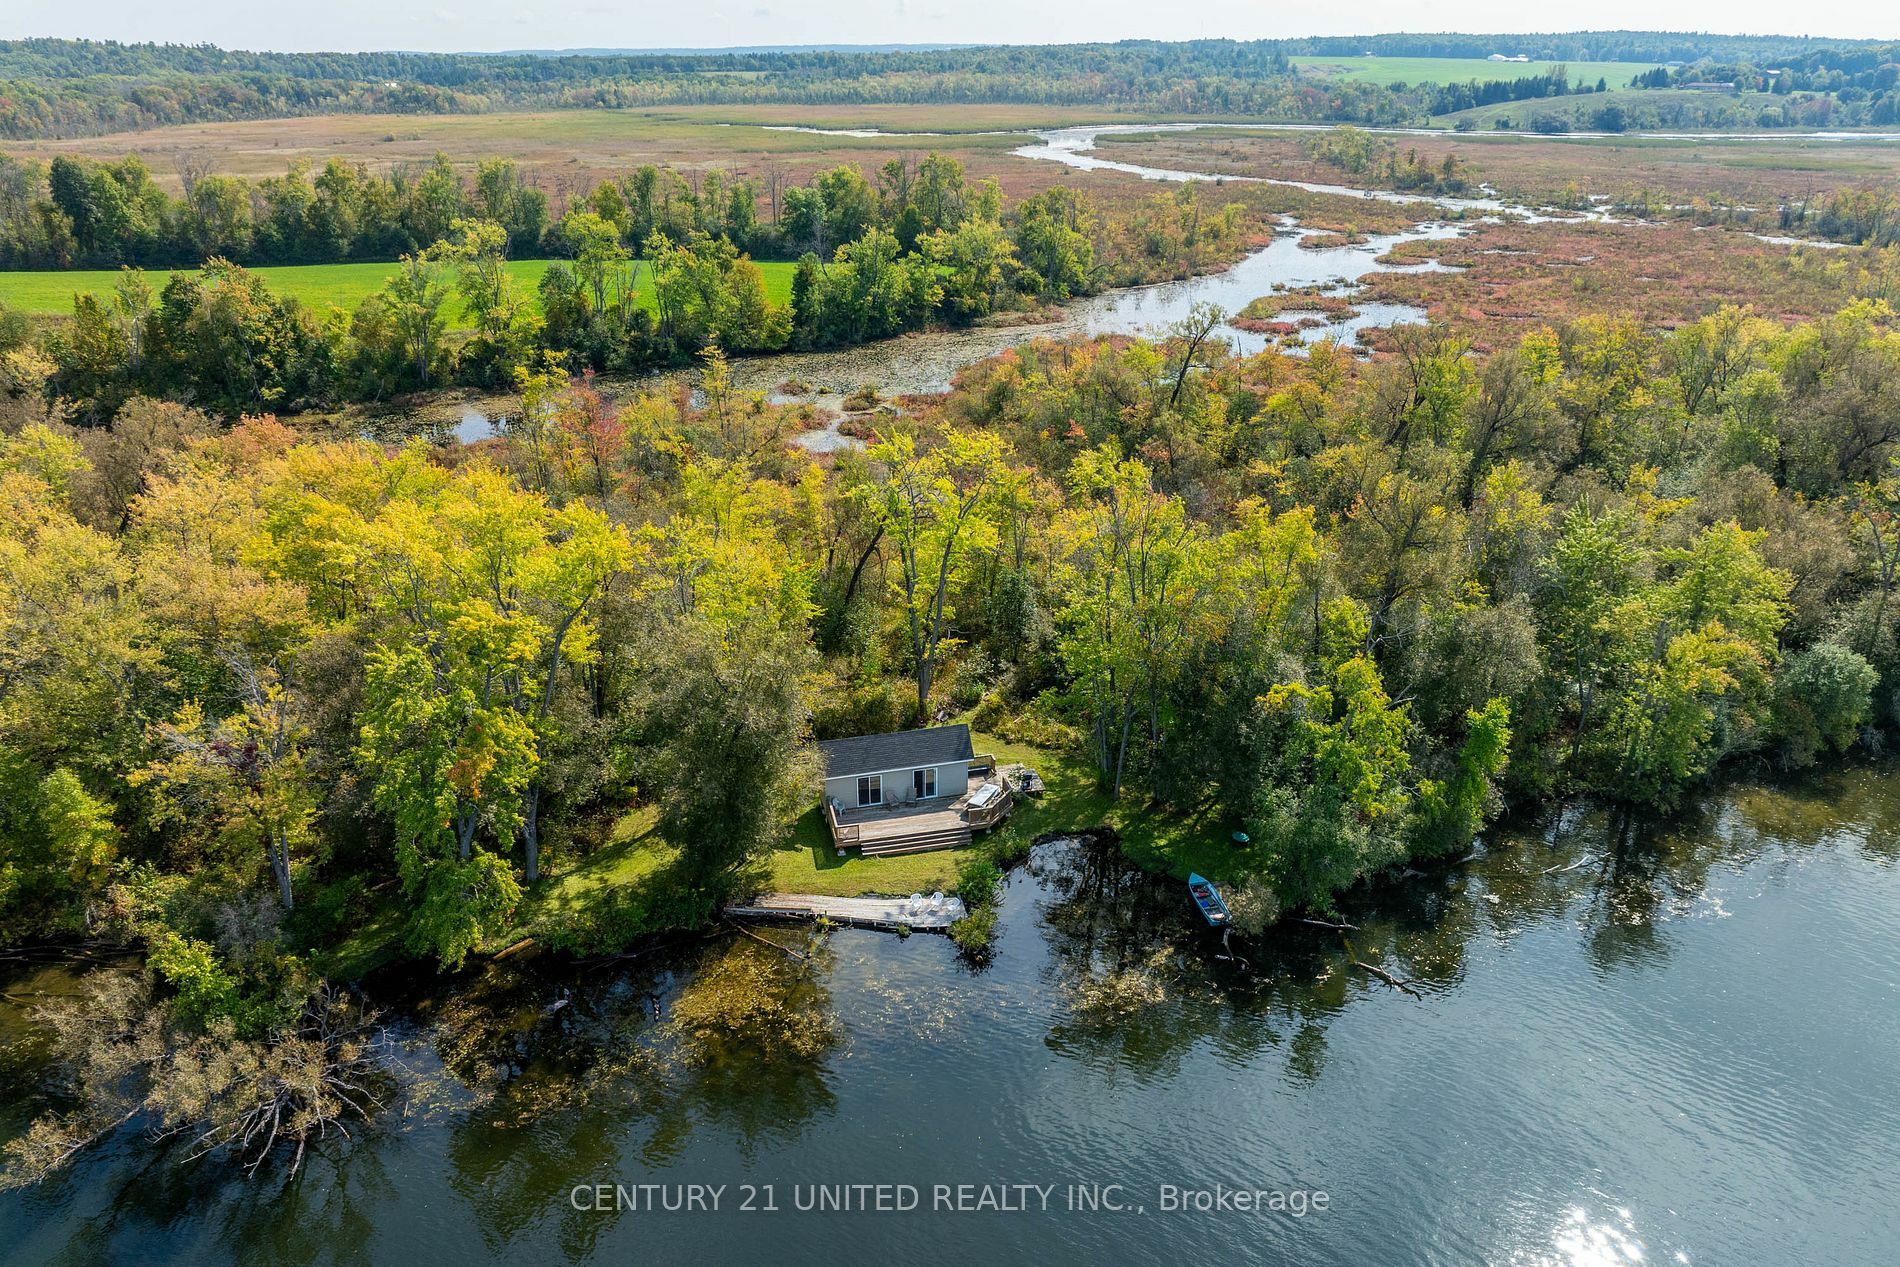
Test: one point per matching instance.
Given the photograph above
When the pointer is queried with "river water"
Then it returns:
(928, 362)
(1637, 1042)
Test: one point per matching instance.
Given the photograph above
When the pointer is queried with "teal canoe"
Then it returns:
(1207, 897)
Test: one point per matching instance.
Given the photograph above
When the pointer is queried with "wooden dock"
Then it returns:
(888, 914)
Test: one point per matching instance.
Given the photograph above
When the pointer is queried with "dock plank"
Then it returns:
(860, 912)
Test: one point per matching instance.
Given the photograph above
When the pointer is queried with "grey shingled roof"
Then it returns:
(904, 750)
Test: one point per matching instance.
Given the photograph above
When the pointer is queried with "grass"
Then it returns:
(574, 150)
(1458, 70)
(577, 148)
(317, 286)
(808, 864)
(375, 942)
(632, 853)
(1678, 108)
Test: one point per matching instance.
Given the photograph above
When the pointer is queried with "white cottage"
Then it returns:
(897, 769)
(910, 790)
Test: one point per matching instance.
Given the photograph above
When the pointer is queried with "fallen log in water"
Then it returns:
(1373, 969)
(766, 941)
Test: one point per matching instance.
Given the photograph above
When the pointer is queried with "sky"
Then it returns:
(481, 25)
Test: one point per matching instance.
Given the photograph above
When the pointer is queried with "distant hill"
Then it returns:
(727, 50)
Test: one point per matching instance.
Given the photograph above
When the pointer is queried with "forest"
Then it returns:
(293, 695)
(65, 88)
(266, 686)
(653, 269)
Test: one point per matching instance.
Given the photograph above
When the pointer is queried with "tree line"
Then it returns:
(77, 213)
(60, 88)
(654, 270)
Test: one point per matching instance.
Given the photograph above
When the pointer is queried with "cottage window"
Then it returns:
(871, 790)
(924, 782)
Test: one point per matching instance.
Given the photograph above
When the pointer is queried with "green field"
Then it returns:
(1666, 108)
(1458, 70)
(319, 286)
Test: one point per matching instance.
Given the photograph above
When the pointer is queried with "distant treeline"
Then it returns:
(53, 88)
(1554, 82)
(1601, 46)
(653, 271)
(79, 213)
(1871, 73)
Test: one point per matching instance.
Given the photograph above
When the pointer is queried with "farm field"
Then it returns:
(1457, 70)
(572, 150)
(317, 286)
(1667, 109)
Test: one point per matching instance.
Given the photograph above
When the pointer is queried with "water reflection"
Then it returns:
(1636, 1037)
(1584, 1240)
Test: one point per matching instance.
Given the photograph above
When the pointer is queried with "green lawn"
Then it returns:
(1458, 70)
(318, 286)
(1695, 107)
(370, 945)
(631, 854)
(808, 864)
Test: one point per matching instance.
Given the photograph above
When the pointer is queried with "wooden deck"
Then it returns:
(945, 822)
(886, 913)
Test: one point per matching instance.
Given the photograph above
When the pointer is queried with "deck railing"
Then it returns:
(842, 834)
(993, 813)
(983, 763)
(846, 835)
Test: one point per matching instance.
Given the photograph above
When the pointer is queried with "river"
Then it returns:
(1637, 1042)
(928, 362)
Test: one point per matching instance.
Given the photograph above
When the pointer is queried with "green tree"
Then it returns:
(726, 713)
(1338, 807)
(250, 774)
(933, 509)
(1138, 583)
(977, 259)
(1822, 698)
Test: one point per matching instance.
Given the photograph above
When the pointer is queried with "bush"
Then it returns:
(974, 673)
(975, 931)
(1029, 727)
(1822, 698)
(1253, 905)
(990, 713)
(873, 707)
(978, 880)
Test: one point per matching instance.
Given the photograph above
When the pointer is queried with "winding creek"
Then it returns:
(1637, 1042)
(928, 362)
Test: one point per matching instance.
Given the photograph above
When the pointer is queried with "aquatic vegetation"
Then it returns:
(747, 1004)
